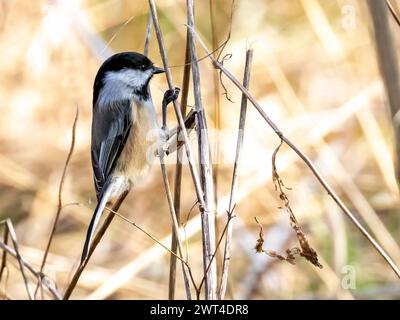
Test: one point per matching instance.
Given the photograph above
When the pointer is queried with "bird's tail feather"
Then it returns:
(101, 204)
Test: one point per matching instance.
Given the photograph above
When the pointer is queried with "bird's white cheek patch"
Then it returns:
(119, 85)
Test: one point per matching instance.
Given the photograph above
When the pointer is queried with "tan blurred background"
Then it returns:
(314, 72)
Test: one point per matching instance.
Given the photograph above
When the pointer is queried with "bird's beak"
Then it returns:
(157, 70)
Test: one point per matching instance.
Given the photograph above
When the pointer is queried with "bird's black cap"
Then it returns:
(130, 60)
(119, 61)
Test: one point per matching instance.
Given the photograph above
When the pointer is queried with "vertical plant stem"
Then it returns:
(21, 265)
(189, 154)
(388, 65)
(217, 119)
(181, 121)
(178, 175)
(232, 198)
(4, 256)
(217, 102)
(96, 241)
(175, 225)
(208, 215)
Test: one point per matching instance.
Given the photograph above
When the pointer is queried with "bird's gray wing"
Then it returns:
(110, 130)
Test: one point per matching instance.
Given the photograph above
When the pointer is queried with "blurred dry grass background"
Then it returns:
(314, 72)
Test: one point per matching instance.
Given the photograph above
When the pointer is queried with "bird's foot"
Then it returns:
(171, 95)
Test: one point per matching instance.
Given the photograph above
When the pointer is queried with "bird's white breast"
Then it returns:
(138, 153)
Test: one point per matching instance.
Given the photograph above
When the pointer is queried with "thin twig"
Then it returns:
(175, 226)
(47, 282)
(60, 189)
(230, 217)
(393, 11)
(96, 241)
(232, 198)
(305, 159)
(222, 45)
(227, 56)
(141, 262)
(107, 45)
(4, 256)
(13, 236)
(206, 176)
(148, 35)
(145, 232)
(178, 176)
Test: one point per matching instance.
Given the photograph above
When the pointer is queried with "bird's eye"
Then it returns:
(142, 67)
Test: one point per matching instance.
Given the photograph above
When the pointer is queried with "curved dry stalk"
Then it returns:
(47, 282)
(9, 226)
(60, 189)
(305, 159)
(305, 249)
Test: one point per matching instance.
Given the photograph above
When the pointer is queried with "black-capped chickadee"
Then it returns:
(123, 117)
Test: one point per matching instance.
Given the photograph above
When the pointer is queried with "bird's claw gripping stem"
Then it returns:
(169, 96)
